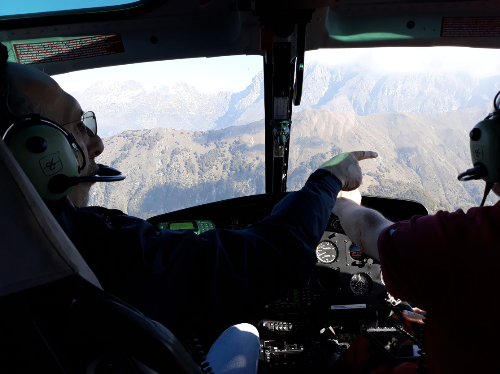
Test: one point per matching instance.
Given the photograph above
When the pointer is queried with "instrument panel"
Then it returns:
(344, 273)
(345, 289)
(344, 279)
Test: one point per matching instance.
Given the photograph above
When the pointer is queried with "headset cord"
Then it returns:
(199, 356)
(421, 368)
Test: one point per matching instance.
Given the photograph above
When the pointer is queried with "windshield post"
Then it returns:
(278, 114)
(283, 77)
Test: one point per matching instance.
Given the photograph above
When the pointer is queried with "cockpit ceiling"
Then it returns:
(175, 29)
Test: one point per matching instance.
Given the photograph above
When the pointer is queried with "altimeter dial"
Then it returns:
(327, 252)
(361, 283)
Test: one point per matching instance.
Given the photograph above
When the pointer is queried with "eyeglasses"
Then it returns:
(89, 121)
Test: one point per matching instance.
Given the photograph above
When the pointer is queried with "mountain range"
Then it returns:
(420, 155)
(359, 90)
(181, 147)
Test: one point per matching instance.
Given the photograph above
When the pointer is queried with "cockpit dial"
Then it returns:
(356, 253)
(336, 226)
(327, 252)
(361, 283)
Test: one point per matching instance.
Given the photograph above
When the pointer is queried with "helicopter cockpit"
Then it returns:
(346, 290)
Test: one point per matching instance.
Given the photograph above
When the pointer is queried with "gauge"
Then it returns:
(336, 226)
(327, 252)
(356, 253)
(361, 283)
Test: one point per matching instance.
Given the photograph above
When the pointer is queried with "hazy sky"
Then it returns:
(235, 73)
(480, 62)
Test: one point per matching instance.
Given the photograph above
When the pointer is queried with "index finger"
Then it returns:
(363, 155)
(414, 317)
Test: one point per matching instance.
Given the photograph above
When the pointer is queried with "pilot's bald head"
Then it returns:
(36, 92)
(16, 78)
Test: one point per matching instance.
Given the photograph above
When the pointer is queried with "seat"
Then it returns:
(54, 315)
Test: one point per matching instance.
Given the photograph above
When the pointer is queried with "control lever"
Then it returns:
(328, 332)
(335, 348)
(398, 310)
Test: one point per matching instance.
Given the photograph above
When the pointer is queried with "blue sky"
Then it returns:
(235, 73)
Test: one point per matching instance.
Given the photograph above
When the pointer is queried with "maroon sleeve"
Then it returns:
(421, 257)
(444, 263)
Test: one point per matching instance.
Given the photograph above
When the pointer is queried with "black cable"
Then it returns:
(421, 361)
(495, 102)
(487, 190)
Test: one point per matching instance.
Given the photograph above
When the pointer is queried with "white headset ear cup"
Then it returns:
(485, 149)
(40, 166)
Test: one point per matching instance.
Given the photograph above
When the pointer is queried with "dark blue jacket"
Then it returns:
(182, 279)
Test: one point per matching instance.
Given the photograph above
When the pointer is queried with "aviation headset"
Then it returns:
(485, 150)
(48, 154)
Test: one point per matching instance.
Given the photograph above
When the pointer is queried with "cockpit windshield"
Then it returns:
(189, 132)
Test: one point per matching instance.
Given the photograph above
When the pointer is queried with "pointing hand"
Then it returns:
(345, 167)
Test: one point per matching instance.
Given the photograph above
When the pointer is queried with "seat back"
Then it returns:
(54, 316)
(34, 250)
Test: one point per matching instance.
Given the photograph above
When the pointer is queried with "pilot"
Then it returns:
(446, 264)
(187, 282)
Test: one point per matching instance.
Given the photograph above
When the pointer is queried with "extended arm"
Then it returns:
(361, 224)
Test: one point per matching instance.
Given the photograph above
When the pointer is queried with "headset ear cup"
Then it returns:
(43, 151)
(485, 149)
